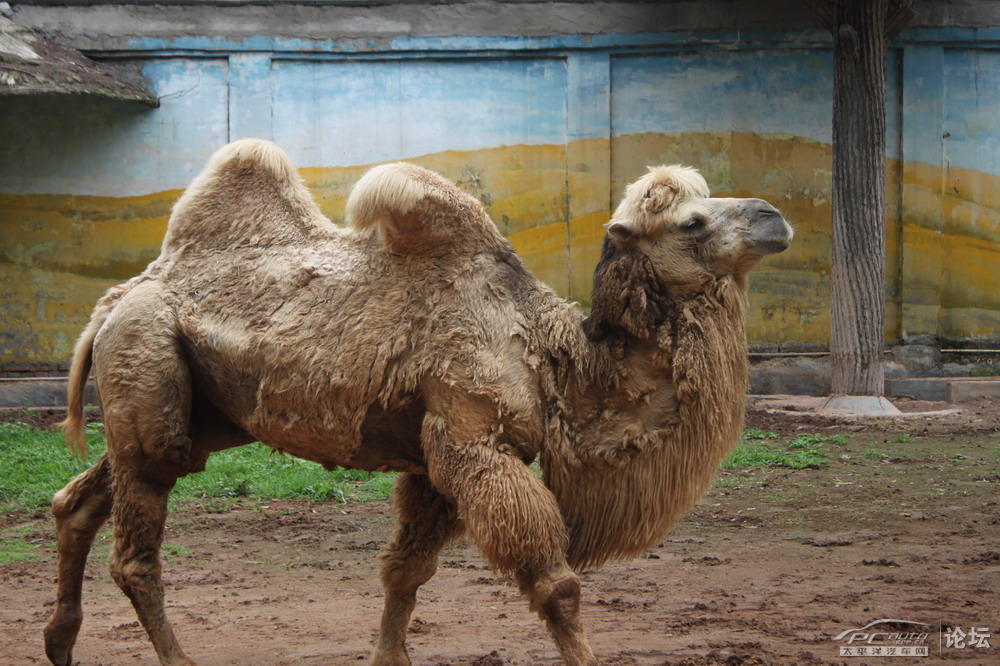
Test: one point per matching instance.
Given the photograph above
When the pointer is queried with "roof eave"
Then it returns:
(33, 65)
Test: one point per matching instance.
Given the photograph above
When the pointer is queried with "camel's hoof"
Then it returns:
(390, 658)
(183, 661)
(59, 640)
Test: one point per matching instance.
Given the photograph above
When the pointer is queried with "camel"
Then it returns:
(414, 340)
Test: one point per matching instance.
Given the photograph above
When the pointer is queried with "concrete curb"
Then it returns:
(39, 392)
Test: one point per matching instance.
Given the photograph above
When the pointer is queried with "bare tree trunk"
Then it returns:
(861, 32)
(858, 303)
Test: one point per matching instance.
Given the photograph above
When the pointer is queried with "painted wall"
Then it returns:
(545, 137)
(86, 186)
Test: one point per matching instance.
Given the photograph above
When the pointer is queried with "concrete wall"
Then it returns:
(362, 25)
(545, 129)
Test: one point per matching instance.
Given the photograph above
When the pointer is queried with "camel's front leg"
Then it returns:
(427, 521)
(515, 521)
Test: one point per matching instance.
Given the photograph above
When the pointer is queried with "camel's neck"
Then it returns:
(637, 442)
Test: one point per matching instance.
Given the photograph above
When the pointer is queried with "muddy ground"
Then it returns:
(903, 522)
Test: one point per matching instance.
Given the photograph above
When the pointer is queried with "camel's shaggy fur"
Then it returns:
(414, 340)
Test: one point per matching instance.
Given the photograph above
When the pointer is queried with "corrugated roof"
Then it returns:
(33, 65)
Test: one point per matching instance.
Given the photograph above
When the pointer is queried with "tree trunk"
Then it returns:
(858, 301)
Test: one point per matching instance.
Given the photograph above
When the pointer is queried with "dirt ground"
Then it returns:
(903, 523)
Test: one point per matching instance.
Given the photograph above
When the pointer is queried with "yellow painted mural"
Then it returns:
(59, 252)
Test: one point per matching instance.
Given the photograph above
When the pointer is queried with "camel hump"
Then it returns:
(415, 210)
(249, 193)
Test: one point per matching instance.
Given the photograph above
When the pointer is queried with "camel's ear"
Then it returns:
(627, 297)
(619, 232)
(658, 197)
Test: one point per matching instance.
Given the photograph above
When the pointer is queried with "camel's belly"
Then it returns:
(387, 439)
(295, 413)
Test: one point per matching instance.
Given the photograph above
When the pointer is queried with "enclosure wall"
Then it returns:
(545, 131)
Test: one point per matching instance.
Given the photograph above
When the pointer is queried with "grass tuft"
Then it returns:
(173, 551)
(757, 433)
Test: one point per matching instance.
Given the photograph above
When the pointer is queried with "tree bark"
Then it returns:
(861, 32)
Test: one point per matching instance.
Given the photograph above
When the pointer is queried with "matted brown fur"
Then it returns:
(414, 340)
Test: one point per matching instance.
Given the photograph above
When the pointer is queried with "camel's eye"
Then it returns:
(696, 223)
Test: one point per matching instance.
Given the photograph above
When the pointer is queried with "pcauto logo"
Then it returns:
(904, 638)
(886, 638)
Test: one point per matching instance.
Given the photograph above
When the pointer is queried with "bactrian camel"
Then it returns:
(414, 340)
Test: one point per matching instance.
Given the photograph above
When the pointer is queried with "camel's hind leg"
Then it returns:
(515, 521)
(146, 402)
(79, 509)
(427, 521)
(140, 510)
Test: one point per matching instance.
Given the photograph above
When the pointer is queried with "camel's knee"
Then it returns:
(64, 501)
(79, 490)
(82, 519)
(555, 595)
(405, 572)
(136, 574)
(560, 601)
(85, 503)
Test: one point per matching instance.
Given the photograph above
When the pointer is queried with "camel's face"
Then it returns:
(692, 236)
(739, 232)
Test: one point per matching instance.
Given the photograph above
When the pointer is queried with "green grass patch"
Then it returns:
(173, 551)
(757, 433)
(34, 464)
(874, 453)
(257, 471)
(758, 448)
(16, 549)
(810, 440)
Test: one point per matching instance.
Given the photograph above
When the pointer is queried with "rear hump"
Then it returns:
(414, 210)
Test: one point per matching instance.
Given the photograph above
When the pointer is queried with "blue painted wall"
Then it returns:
(358, 112)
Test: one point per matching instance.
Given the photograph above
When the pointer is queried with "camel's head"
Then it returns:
(668, 216)
(669, 238)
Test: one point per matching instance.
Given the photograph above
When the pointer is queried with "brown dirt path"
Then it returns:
(903, 522)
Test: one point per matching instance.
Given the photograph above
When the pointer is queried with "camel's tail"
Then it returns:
(415, 210)
(79, 369)
(72, 426)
